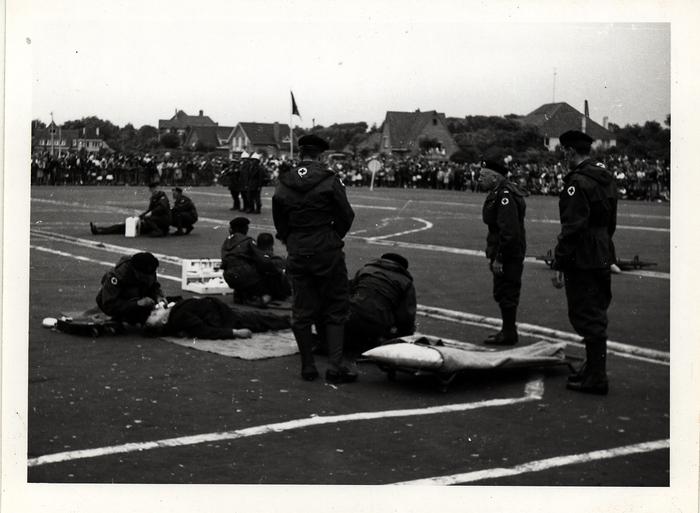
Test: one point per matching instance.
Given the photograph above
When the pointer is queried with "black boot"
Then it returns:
(338, 372)
(592, 377)
(508, 336)
(305, 343)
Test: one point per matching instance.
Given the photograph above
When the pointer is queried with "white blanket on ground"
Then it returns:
(270, 344)
(452, 359)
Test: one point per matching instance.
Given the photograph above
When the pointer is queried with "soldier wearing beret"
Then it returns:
(584, 254)
(183, 213)
(246, 268)
(155, 221)
(504, 214)
(131, 289)
(312, 215)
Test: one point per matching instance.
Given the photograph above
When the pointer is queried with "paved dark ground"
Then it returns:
(87, 393)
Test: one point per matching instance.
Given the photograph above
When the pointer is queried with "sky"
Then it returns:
(137, 62)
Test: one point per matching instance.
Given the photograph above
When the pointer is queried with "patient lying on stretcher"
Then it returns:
(210, 318)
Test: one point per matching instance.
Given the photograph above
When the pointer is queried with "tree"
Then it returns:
(170, 141)
(37, 124)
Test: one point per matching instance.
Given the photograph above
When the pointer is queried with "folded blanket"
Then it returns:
(270, 344)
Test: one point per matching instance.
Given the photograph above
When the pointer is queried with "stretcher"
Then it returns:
(444, 360)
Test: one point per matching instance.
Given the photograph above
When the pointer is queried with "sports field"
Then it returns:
(128, 409)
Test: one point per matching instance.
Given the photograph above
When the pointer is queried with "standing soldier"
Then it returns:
(312, 215)
(234, 185)
(584, 254)
(504, 214)
(255, 181)
(183, 213)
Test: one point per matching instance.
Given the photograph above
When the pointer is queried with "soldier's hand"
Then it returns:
(497, 267)
(145, 301)
(558, 280)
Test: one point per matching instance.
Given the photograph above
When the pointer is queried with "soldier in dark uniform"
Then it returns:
(311, 213)
(584, 254)
(131, 289)
(155, 221)
(280, 288)
(382, 304)
(234, 185)
(504, 214)
(254, 177)
(183, 213)
(245, 266)
(244, 178)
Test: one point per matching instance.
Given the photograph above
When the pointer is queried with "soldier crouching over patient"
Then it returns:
(155, 221)
(130, 290)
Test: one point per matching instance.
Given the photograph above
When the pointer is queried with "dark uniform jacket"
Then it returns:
(242, 261)
(252, 171)
(212, 318)
(588, 212)
(233, 175)
(159, 207)
(383, 292)
(122, 288)
(184, 205)
(310, 210)
(504, 213)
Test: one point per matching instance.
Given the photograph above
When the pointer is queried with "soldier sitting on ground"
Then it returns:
(280, 288)
(183, 213)
(155, 221)
(245, 266)
(131, 289)
(210, 318)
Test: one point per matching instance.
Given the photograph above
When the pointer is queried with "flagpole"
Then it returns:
(291, 135)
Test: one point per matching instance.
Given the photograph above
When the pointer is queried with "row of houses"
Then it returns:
(402, 133)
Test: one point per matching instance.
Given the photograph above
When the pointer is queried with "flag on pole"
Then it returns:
(295, 109)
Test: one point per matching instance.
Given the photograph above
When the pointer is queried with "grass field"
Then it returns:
(509, 428)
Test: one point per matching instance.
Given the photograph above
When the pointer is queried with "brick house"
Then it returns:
(271, 139)
(553, 119)
(182, 123)
(56, 140)
(417, 133)
(212, 137)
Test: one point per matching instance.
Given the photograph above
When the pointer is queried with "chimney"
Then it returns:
(97, 131)
(585, 108)
(201, 113)
(605, 122)
(276, 131)
(584, 118)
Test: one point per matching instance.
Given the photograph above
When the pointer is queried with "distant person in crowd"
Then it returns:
(210, 318)
(584, 253)
(382, 304)
(254, 179)
(234, 186)
(183, 213)
(280, 288)
(504, 214)
(246, 267)
(130, 290)
(312, 215)
(155, 221)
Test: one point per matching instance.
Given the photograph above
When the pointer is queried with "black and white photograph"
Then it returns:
(309, 250)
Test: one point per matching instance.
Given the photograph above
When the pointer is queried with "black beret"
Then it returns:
(575, 139)
(144, 262)
(313, 141)
(178, 189)
(495, 166)
(395, 257)
(239, 222)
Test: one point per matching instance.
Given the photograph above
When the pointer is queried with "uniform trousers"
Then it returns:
(588, 295)
(506, 286)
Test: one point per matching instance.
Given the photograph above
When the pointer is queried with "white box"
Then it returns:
(132, 227)
(203, 276)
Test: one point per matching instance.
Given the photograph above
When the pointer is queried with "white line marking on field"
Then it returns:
(534, 330)
(427, 226)
(533, 392)
(540, 465)
(617, 348)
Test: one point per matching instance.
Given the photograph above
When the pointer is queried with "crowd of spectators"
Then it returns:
(636, 178)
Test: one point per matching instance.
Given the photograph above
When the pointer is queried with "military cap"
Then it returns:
(144, 262)
(177, 189)
(575, 139)
(395, 257)
(239, 222)
(495, 166)
(313, 141)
